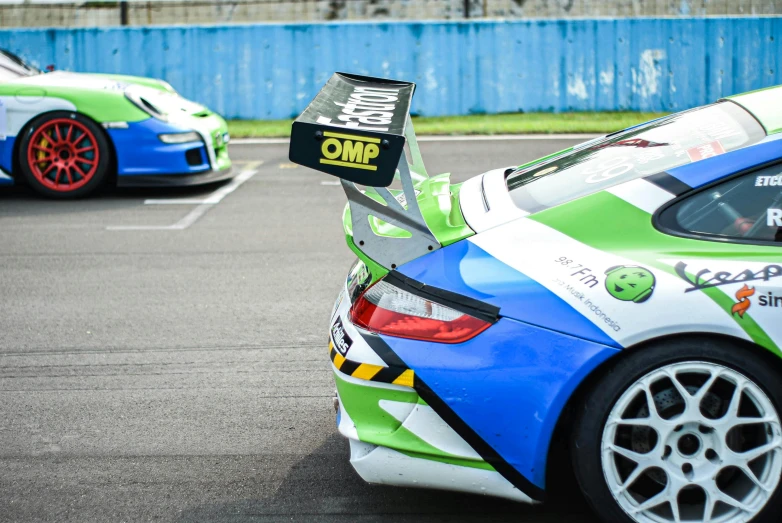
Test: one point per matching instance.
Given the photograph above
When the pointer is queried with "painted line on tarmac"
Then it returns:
(216, 196)
(203, 205)
(436, 138)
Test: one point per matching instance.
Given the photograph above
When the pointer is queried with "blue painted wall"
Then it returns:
(271, 71)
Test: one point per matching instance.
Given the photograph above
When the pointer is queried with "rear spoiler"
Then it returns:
(356, 129)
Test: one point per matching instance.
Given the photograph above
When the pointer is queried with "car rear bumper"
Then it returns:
(396, 438)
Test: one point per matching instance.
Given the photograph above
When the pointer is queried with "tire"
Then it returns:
(689, 441)
(64, 155)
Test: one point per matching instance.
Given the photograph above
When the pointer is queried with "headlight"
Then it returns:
(145, 105)
(180, 137)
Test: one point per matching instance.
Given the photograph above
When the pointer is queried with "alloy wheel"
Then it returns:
(63, 154)
(692, 441)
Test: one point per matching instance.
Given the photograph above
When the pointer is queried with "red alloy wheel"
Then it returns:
(63, 155)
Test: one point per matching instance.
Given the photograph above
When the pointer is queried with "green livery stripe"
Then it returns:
(749, 325)
(376, 426)
(608, 223)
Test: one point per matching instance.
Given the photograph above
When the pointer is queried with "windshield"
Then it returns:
(640, 151)
(12, 67)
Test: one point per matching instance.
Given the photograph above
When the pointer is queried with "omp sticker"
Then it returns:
(706, 150)
(347, 150)
(577, 273)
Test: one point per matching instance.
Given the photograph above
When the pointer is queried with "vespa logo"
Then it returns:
(347, 150)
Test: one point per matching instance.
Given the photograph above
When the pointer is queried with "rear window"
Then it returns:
(640, 151)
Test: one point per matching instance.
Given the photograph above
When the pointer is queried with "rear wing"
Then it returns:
(356, 129)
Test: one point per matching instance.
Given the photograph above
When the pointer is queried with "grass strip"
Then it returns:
(512, 123)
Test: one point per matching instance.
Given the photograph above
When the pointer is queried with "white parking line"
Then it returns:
(203, 204)
(216, 196)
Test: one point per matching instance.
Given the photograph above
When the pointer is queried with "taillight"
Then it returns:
(388, 309)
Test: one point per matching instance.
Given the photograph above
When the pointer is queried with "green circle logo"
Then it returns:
(630, 283)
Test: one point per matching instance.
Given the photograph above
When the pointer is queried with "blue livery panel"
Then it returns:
(140, 152)
(509, 385)
(7, 159)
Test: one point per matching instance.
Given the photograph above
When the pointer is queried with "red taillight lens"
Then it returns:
(387, 309)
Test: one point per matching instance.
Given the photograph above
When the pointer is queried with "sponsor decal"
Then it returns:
(342, 341)
(769, 299)
(402, 199)
(630, 142)
(577, 293)
(369, 108)
(774, 217)
(630, 283)
(348, 150)
(582, 274)
(584, 280)
(706, 150)
(742, 300)
(768, 181)
(705, 278)
(760, 298)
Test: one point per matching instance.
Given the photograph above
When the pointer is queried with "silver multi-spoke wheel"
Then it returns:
(692, 441)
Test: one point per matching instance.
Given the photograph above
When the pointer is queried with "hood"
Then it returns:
(156, 92)
(167, 103)
(63, 79)
(106, 82)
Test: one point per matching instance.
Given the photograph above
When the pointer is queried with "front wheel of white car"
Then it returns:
(688, 430)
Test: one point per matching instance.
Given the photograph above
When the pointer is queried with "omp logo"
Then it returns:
(347, 150)
(743, 303)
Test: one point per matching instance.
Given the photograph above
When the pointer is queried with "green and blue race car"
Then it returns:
(66, 134)
(623, 296)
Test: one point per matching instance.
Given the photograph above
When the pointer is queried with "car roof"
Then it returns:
(700, 173)
(765, 105)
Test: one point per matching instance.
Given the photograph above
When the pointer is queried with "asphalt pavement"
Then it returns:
(163, 353)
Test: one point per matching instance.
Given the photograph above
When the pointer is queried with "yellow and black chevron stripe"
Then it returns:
(366, 371)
